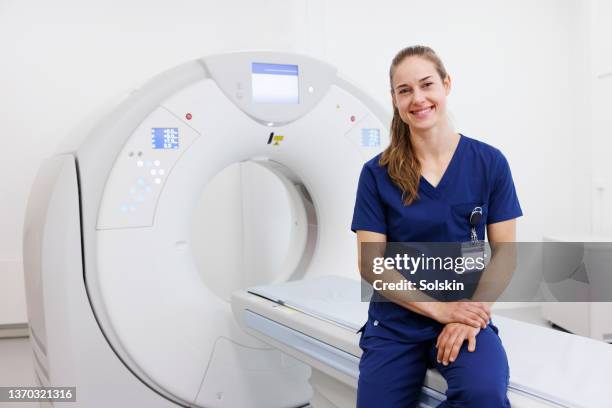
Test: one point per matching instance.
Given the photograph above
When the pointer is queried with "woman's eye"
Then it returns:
(427, 84)
(404, 90)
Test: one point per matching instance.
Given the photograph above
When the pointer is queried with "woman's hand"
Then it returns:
(475, 314)
(451, 338)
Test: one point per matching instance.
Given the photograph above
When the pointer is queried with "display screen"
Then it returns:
(275, 83)
(164, 138)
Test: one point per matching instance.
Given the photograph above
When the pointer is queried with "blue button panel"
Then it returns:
(370, 137)
(164, 138)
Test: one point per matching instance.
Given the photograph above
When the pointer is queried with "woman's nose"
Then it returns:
(418, 96)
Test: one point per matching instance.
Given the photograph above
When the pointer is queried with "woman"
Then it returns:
(423, 188)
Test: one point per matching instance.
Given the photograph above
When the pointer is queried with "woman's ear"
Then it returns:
(447, 84)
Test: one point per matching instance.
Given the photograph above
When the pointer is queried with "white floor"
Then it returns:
(16, 367)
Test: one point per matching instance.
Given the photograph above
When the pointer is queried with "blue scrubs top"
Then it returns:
(478, 175)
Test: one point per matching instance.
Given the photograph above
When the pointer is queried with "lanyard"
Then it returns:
(475, 218)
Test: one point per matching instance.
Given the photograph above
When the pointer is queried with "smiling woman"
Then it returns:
(424, 188)
(419, 86)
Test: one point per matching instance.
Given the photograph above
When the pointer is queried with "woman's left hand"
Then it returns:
(451, 338)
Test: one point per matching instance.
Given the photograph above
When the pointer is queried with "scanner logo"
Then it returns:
(275, 140)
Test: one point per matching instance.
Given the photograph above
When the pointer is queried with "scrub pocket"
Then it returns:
(461, 217)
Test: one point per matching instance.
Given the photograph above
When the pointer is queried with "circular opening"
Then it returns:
(253, 224)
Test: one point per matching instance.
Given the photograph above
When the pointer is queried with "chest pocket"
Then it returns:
(460, 214)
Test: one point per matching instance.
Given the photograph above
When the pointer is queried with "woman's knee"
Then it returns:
(479, 378)
(489, 394)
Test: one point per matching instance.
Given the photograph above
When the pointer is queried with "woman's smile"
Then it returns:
(423, 113)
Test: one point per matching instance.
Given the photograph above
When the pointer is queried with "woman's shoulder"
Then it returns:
(482, 149)
(487, 159)
(374, 163)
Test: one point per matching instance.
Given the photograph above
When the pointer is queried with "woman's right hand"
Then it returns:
(475, 314)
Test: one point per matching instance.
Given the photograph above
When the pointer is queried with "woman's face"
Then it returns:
(419, 94)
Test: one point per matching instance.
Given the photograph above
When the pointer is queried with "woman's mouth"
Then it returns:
(423, 112)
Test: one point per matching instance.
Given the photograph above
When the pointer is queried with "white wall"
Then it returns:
(601, 85)
(518, 68)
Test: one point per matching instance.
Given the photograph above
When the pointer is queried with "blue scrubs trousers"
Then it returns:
(392, 370)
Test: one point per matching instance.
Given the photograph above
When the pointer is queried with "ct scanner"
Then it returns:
(121, 304)
(117, 301)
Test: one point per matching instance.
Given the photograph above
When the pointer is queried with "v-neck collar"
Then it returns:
(450, 170)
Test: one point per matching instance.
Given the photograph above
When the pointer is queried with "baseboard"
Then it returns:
(14, 330)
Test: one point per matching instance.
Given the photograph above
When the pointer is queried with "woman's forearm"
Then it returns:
(413, 300)
(498, 273)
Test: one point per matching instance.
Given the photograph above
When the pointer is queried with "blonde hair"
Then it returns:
(402, 165)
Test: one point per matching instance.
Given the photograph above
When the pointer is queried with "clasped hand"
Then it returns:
(464, 321)
(451, 338)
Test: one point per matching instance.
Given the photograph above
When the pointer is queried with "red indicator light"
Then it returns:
(352, 118)
(188, 116)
